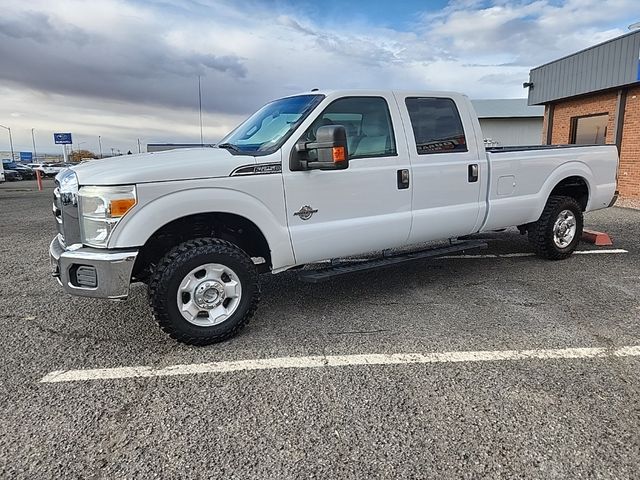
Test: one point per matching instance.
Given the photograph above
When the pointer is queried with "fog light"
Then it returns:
(86, 276)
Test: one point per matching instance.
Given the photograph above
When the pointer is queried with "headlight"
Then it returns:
(68, 182)
(101, 208)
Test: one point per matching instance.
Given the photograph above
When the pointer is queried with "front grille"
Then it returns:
(65, 210)
(57, 210)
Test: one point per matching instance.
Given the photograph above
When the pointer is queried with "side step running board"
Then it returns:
(316, 276)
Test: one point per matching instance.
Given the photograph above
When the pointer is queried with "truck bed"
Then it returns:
(522, 178)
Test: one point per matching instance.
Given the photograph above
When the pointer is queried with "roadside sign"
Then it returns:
(26, 156)
(62, 138)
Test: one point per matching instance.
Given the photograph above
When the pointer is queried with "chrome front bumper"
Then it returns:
(112, 270)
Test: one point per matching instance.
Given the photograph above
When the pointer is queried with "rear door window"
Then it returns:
(436, 124)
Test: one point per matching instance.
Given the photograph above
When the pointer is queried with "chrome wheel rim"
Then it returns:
(564, 229)
(209, 294)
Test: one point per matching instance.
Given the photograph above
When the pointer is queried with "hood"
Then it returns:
(179, 164)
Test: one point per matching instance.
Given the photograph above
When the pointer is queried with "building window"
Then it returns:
(590, 130)
(436, 125)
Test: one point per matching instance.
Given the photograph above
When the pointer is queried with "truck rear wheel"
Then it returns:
(204, 291)
(557, 233)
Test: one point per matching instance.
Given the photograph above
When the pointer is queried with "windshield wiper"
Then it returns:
(229, 146)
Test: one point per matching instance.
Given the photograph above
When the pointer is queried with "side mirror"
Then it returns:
(331, 148)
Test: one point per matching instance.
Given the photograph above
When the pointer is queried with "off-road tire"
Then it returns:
(172, 268)
(541, 235)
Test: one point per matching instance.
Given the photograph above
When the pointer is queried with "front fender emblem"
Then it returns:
(306, 212)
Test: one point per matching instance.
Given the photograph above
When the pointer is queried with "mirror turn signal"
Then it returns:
(339, 154)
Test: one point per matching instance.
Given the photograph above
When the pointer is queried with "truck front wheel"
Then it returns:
(557, 233)
(204, 291)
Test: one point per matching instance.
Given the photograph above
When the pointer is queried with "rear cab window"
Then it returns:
(436, 124)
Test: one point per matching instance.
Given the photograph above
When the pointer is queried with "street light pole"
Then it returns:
(10, 142)
(200, 109)
(33, 140)
(100, 145)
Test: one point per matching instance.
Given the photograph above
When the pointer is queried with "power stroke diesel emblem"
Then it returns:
(306, 212)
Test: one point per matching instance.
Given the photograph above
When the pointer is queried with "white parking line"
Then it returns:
(336, 361)
(612, 250)
(531, 254)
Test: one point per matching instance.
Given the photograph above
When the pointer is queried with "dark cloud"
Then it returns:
(228, 63)
(39, 28)
(135, 66)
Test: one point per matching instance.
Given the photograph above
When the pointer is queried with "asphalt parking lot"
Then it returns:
(540, 417)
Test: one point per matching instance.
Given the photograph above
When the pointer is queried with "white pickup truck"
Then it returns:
(315, 176)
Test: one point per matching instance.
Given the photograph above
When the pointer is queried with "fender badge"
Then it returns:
(305, 213)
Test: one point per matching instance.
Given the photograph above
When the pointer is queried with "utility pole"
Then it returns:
(33, 140)
(100, 145)
(200, 108)
(10, 142)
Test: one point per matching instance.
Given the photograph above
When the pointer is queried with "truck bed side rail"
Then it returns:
(524, 148)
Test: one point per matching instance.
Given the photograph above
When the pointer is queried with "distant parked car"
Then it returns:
(48, 169)
(27, 173)
(36, 166)
(12, 176)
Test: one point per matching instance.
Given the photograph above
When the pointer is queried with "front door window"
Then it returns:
(367, 123)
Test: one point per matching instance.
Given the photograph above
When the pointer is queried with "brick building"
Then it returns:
(593, 97)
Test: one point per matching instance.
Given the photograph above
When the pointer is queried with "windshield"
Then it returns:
(267, 129)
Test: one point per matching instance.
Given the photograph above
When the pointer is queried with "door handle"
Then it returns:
(403, 179)
(473, 173)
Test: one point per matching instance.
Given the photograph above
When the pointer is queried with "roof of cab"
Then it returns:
(374, 92)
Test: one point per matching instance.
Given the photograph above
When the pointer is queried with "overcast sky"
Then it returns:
(127, 69)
